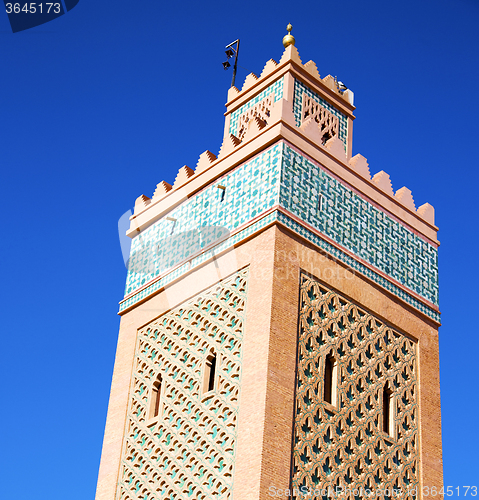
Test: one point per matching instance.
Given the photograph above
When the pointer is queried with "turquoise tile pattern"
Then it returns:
(276, 88)
(355, 265)
(205, 218)
(280, 175)
(299, 90)
(199, 259)
(357, 225)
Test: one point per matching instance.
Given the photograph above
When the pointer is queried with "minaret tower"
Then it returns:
(279, 330)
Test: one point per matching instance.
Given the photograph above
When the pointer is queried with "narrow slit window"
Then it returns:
(330, 378)
(173, 224)
(155, 398)
(210, 373)
(222, 193)
(320, 203)
(388, 420)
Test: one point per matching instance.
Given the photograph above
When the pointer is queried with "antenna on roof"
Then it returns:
(232, 50)
(340, 85)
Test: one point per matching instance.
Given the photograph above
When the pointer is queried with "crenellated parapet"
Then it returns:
(288, 100)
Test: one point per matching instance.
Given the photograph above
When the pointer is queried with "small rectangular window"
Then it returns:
(388, 420)
(173, 224)
(330, 378)
(320, 202)
(211, 381)
(210, 373)
(155, 399)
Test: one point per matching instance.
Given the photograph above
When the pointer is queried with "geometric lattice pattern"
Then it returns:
(187, 452)
(262, 110)
(328, 123)
(343, 445)
(356, 224)
(300, 90)
(276, 88)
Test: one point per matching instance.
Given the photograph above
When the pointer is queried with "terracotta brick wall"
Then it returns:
(291, 256)
(263, 456)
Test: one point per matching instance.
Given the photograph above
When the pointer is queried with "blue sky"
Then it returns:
(103, 103)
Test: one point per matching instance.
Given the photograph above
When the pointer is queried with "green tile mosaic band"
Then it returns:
(357, 266)
(251, 189)
(358, 225)
(278, 216)
(299, 89)
(276, 88)
(179, 271)
(280, 175)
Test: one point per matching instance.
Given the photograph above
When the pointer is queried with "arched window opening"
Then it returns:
(210, 373)
(155, 403)
(388, 418)
(330, 379)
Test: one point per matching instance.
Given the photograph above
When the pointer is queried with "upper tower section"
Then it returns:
(286, 158)
(316, 102)
(287, 100)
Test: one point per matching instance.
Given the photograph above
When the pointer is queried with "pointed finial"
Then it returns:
(289, 38)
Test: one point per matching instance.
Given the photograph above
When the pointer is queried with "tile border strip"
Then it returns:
(353, 263)
(267, 219)
(264, 220)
